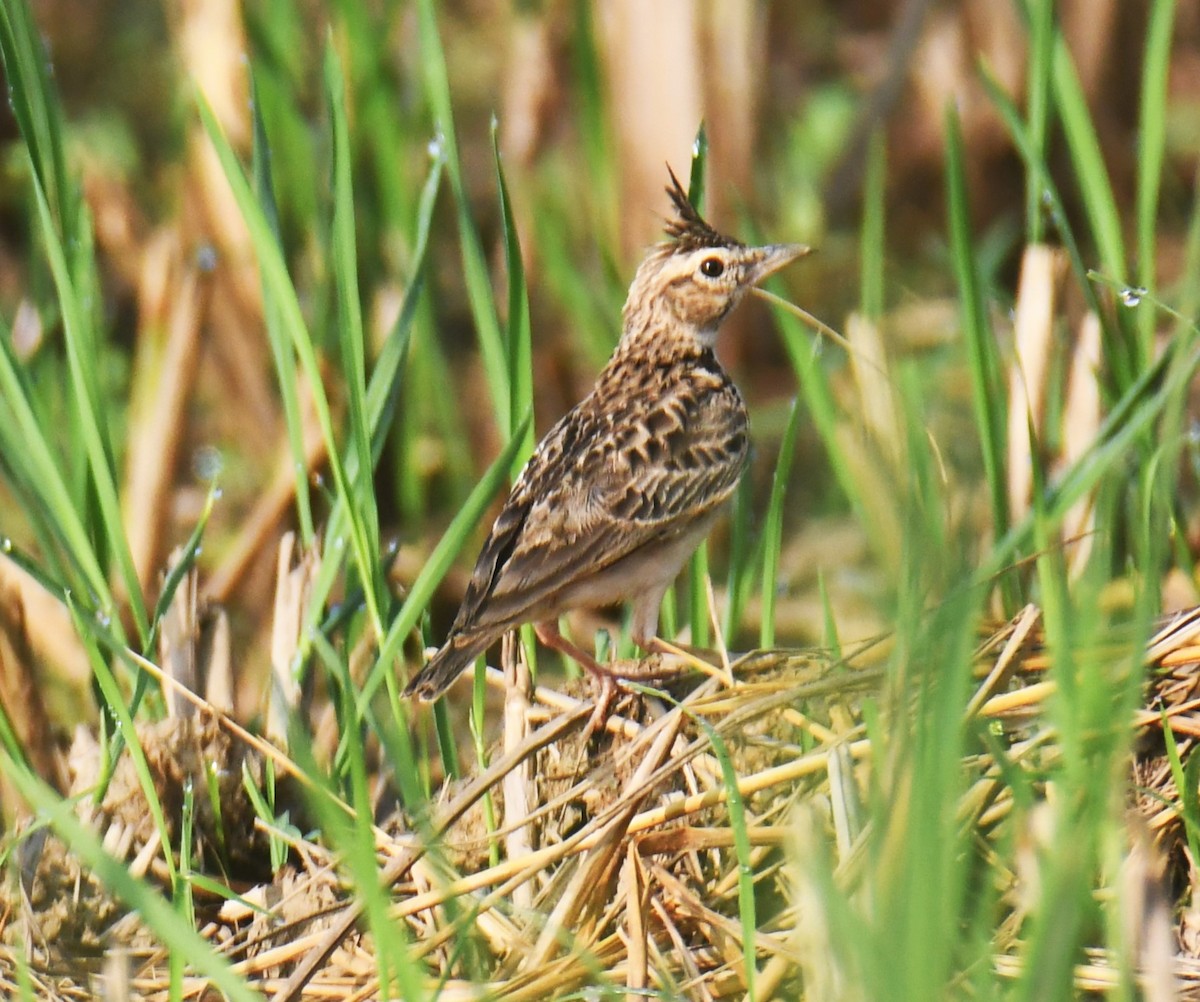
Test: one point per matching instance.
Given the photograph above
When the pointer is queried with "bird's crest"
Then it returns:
(689, 230)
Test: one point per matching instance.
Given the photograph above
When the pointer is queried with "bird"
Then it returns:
(621, 491)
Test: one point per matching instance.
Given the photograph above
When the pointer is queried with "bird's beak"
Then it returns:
(773, 257)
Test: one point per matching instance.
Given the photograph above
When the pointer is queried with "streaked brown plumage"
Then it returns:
(625, 486)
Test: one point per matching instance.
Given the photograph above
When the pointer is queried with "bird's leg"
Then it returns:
(550, 636)
(644, 631)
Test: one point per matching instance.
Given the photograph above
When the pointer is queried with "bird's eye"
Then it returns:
(712, 267)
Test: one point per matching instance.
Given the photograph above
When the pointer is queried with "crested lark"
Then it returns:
(623, 488)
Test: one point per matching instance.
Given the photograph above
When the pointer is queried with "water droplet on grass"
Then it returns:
(207, 462)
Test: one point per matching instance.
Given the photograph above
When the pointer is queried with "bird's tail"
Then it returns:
(445, 666)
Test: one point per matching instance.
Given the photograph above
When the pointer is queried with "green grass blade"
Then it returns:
(747, 907)
(742, 565)
(281, 351)
(41, 479)
(773, 524)
(698, 575)
(1189, 295)
(35, 106)
(475, 269)
(986, 381)
(518, 334)
(383, 396)
(360, 485)
(383, 391)
(84, 368)
(114, 702)
(353, 837)
(1189, 813)
(275, 273)
(187, 560)
(1119, 368)
(696, 171)
(384, 126)
(594, 126)
(68, 244)
(1037, 104)
(873, 235)
(805, 353)
(1152, 141)
(1091, 175)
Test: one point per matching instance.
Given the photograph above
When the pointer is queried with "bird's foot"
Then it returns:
(606, 693)
(666, 662)
(606, 680)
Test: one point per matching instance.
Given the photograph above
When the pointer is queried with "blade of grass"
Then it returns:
(987, 386)
(874, 217)
(24, 444)
(475, 270)
(360, 484)
(698, 566)
(698, 576)
(747, 908)
(1037, 105)
(181, 890)
(36, 107)
(281, 352)
(594, 125)
(517, 334)
(283, 48)
(274, 271)
(383, 391)
(1152, 141)
(354, 837)
(84, 369)
(742, 565)
(366, 34)
(805, 354)
(68, 244)
(1090, 173)
(114, 703)
(383, 398)
(696, 170)
(773, 525)
(1100, 205)
(1118, 369)
(34, 103)
(186, 561)
(1188, 808)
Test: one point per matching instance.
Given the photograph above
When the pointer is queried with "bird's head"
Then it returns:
(698, 276)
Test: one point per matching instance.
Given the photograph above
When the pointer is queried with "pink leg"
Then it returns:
(550, 636)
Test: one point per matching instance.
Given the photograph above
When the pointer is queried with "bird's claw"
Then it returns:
(606, 693)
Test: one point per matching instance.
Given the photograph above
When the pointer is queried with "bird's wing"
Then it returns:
(600, 487)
